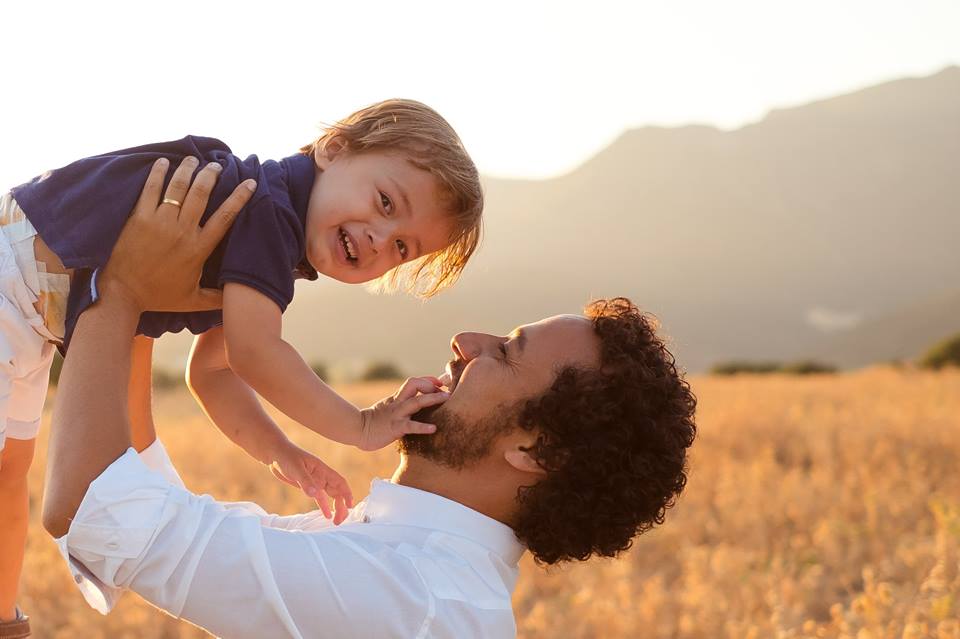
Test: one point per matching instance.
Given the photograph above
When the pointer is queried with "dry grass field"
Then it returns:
(817, 507)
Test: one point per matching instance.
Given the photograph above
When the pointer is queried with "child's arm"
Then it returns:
(139, 398)
(257, 353)
(234, 408)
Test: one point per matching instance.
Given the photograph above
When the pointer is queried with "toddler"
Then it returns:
(388, 194)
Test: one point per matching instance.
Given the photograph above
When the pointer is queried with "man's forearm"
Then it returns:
(90, 428)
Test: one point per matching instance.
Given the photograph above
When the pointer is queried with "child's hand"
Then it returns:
(389, 419)
(300, 469)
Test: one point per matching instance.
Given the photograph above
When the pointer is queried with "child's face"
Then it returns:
(370, 212)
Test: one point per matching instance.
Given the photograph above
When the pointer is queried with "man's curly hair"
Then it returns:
(613, 442)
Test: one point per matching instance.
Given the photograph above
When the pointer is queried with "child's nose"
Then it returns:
(379, 237)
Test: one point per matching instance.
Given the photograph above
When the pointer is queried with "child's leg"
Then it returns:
(23, 390)
(14, 503)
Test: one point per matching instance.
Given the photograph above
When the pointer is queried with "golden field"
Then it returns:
(825, 506)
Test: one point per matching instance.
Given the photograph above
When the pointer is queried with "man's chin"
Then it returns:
(421, 445)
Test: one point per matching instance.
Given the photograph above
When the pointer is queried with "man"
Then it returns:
(567, 438)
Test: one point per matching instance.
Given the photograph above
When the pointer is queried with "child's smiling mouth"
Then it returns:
(349, 247)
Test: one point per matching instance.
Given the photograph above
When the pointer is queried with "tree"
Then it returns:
(378, 371)
(943, 353)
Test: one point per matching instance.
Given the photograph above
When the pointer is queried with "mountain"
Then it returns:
(746, 243)
(905, 333)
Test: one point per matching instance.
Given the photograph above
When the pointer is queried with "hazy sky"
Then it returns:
(533, 88)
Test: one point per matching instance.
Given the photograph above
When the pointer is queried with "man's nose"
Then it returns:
(468, 346)
(465, 346)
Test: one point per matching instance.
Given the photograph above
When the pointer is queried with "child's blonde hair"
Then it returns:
(429, 143)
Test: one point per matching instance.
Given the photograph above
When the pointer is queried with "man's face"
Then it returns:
(491, 376)
(369, 212)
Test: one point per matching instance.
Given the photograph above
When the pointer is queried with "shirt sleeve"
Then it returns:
(265, 244)
(224, 568)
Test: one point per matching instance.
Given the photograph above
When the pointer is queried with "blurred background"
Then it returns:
(777, 182)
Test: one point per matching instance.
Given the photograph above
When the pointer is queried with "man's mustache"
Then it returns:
(456, 366)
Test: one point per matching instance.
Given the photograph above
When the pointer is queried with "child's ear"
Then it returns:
(325, 155)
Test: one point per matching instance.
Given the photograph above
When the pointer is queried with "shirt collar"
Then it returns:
(391, 503)
(298, 174)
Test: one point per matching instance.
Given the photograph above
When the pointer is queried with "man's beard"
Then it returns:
(456, 442)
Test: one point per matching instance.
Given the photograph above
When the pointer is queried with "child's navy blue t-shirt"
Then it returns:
(80, 209)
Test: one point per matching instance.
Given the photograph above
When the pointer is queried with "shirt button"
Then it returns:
(366, 519)
(113, 544)
(78, 579)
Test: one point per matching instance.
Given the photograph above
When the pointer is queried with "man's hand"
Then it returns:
(157, 260)
(389, 419)
(305, 471)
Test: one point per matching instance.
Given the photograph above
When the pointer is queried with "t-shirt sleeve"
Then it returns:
(264, 246)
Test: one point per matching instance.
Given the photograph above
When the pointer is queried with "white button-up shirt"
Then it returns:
(405, 563)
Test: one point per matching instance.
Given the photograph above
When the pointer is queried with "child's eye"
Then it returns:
(386, 203)
(403, 249)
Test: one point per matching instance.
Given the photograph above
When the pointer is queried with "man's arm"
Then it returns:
(90, 428)
(140, 400)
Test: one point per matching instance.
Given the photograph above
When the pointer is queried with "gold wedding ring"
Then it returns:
(167, 200)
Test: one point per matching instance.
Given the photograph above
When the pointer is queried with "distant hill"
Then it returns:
(847, 206)
(903, 334)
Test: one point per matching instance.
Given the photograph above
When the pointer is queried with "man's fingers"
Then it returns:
(207, 299)
(195, 203)
(150, 195)
(179, 183)
(220, 222)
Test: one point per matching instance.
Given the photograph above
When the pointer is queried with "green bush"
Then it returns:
(808, 367)
(320, 370)
(166, 380)
(377, 371)
(801, 367)
(55, 369)
(941, 354)
(737, 367)
(162, 379)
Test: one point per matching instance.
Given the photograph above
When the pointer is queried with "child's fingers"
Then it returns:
(411, 427)
(413, 404)
(342, 510)
(415, 385)
(279, 475)
(323, 503)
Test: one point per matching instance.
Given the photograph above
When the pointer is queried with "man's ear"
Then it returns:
(523, 461)
(324, 156)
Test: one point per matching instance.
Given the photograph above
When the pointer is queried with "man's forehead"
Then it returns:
(569, 338)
